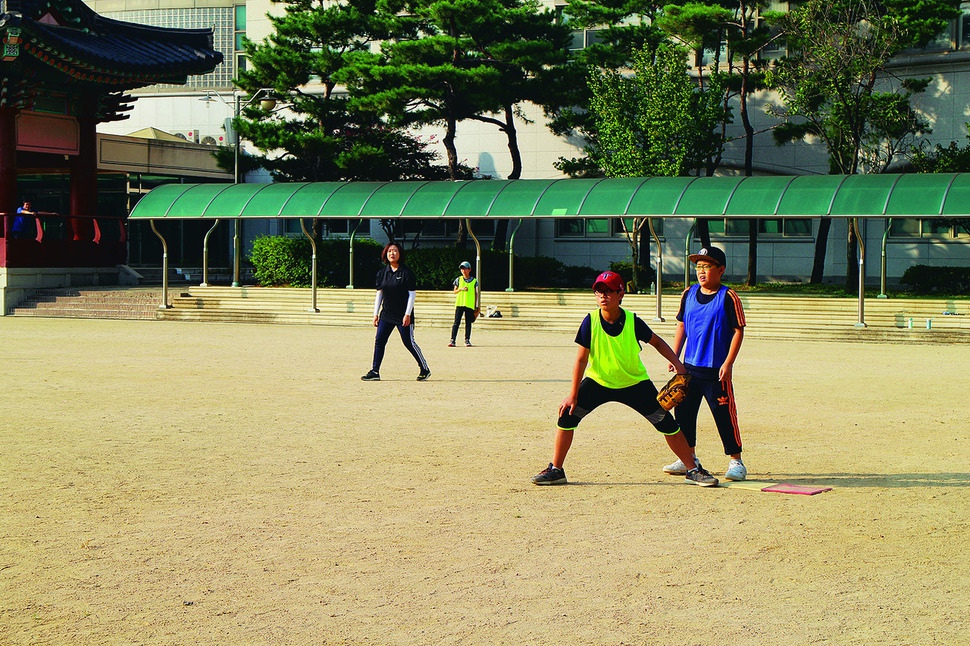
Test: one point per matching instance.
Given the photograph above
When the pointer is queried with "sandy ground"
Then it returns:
(182, 483)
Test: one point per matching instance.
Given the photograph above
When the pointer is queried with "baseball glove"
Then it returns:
(673, 392)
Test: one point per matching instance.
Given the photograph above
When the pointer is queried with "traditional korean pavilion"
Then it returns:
(64, 69)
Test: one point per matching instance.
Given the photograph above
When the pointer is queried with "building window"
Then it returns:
(331, 226)
(583, 38)
(767, 227)
(924, 228)
(658, 226)
(239, 36)
(570, 228)
(584, 228)
(221, 20)
(600, 227)
(432, 228)
(580, 38)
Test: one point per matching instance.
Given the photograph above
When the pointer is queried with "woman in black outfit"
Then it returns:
(394, 308)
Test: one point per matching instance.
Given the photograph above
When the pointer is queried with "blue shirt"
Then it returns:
(709, 323)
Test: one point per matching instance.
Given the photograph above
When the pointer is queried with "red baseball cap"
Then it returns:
(611, 280)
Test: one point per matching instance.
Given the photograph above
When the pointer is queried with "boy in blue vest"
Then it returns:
(710, 330)
(608, 369)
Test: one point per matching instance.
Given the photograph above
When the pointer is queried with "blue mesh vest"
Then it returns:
(708, 338)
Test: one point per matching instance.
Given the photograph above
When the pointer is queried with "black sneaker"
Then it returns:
(701, 476)
(550, 476)
(372, 375)
(424, 374)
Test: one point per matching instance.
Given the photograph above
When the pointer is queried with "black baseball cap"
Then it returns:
(710, 254)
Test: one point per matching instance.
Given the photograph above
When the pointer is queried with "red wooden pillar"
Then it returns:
(84, 178)
(8, 168)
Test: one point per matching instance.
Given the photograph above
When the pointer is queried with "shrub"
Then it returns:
(285, 261)
(924, 279)
(645, 275)
(281, 260)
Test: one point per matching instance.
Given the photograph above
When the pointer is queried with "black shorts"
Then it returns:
(641, 397)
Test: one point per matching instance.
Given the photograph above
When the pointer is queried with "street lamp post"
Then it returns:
(267, 104)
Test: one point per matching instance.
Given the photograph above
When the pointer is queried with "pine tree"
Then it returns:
(319, 135)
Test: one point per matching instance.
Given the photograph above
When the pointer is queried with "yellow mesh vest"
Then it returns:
(614, 361)
(466, 299)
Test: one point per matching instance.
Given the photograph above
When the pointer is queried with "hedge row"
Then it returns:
(285, 261)
(923, 279)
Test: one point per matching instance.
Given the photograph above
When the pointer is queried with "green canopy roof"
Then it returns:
(862, 196)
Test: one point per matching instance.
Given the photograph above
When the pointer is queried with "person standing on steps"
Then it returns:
(394, 308)
(467, 303)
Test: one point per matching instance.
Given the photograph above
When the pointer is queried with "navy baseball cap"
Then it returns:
(711, 254)
(609, 279)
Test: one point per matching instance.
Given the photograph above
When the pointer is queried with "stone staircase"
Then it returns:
(777, 317)
(92, 303)
(773, 317)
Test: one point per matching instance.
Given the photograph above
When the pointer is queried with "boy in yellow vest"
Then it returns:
(466, 303)
(608, 369)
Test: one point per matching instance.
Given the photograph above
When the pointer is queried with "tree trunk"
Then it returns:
(852, 260)
(821, 244)
(502, 226)
(450, 149)
(513, 138)
(752, 277)
(452, 152)
(645, 250)
(702, 231)
(634, 285)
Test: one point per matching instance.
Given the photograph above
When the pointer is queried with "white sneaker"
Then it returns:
(736, 471)
(677, 468)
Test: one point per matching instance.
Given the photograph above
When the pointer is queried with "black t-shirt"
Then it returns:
(395, 286)
(584, 336)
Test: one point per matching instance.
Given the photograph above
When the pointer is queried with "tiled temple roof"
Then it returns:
(67, 36)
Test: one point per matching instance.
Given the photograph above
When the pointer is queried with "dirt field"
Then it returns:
(180, 483)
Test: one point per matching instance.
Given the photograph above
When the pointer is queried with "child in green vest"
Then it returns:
(467, 303)
(608, 369)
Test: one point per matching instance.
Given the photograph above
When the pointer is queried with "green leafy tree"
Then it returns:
(318, 135)
(617, 29)
(944, 159)
(834, 87)
(457, 60)
(746, 28)
(656, 121)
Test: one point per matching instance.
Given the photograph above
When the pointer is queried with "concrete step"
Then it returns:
(777, 317)
(92, 303)
(773, 317)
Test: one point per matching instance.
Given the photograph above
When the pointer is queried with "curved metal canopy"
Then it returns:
(915, 195)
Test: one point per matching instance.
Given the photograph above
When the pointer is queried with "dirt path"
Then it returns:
(179, 483)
